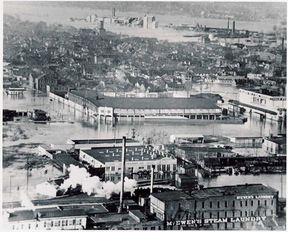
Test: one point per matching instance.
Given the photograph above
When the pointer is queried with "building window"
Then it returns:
(258, 202)
(246, 213)
(225, 214)
(218, 204)
(29, 225)
(112, 168)
(272, 202)
(52, 224)
(210, 214)
(74, 221)
(241, 214)
(112, 178)
(252, 202)
(168, 167)
(149, 167)
(265, 202)
(66, 224)
(241, 204)
(233, 213)
(174, 167)
(272, 212)
(107, 169)
(44, 224)
(252, 213)
(153, 228)
(246, 203)
(218, 214)
(233, 203)
(203, 204)
(226, 204)
(63, 222)
(211, 204)
(202, 215)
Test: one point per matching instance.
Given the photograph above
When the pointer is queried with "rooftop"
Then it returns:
(22, 215)
(205, 149)
(52, 213)
(146, 103)
(277, 140)
(99, 141)
(66, 159)
(187, 135)
(172, 196)
(110, 154)
(241, 190)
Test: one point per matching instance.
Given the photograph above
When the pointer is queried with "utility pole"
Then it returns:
(27, 173)
(10, 183)
(122, 174)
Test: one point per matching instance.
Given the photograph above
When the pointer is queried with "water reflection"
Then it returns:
(88, 127)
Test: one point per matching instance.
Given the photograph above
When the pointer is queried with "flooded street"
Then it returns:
(59, 132)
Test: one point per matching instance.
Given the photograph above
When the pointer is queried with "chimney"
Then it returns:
(101, 25)
(152, 178)
(122, 174)
(113, 12)
(228, 24)
(233, 27)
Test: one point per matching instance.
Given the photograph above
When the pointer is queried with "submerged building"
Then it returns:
(144, 108)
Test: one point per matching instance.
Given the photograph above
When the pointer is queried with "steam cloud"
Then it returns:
(93, 185)
(25, 201)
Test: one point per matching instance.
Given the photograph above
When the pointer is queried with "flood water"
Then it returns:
(83, 127)
(53, 13)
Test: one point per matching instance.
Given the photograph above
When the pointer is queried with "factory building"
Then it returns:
(86, 144)
(139, 108)
(266, 104)
(227, 207)
(149, 22)
(139, 161)
(275, 145)
(45, 219)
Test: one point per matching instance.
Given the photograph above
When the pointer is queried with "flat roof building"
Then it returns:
(227, 207)
(119, 107)
(139, 161)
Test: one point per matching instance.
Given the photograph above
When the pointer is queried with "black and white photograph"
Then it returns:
(144, 115)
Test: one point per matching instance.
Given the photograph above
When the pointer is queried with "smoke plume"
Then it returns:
(25, 201)
(93, 185)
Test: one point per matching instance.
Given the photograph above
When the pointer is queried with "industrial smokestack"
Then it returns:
(113, 12)
(152, 179)
(122, 174)
(228, 24)
(101, 25)
(233, 27)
